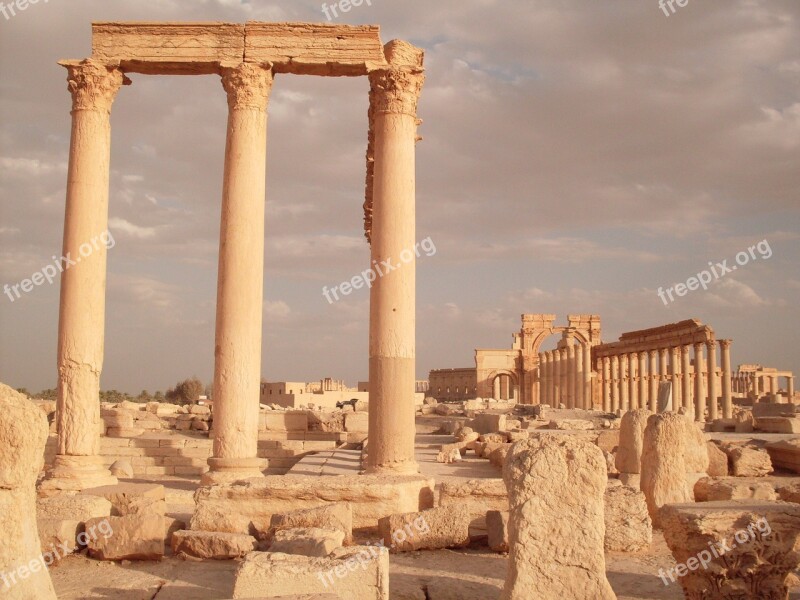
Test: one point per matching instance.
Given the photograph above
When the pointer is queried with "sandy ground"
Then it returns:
(470, 574)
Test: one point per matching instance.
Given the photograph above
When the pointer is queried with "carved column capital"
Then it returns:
(248, 85)
(711, 344)
(725, 344)
(93, 85)
(396, 90)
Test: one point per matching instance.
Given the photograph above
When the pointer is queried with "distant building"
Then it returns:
(324, 393)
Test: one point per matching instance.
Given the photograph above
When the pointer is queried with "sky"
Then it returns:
(577, 156)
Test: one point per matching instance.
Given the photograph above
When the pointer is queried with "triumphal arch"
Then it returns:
(247, 58)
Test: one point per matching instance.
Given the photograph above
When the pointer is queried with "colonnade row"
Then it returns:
(630, 380)
(759, 384)
(565, 376)
(394, 95)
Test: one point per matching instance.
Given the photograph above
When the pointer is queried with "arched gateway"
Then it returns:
(246, 57)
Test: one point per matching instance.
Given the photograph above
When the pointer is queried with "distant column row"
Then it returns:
(565, 376)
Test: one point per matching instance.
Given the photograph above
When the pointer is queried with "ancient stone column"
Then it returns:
(643, 402)
(652, 394)
(686, 380)
(556, 528)
(606, 384)
(633, 388)
(240, 279)
(587, 376)
(556, 378)
(580, 401)
(23, 434)
(699, 398)
(623, 383)
(565, 375)
(544, 366)
(674, 371)
(727, 398)
(540, 383)
(663, 368)
(614, 383)
(81, 322)
(629, 453)
(394, 94)
(713, 404)
(571, 375)
(790, 388)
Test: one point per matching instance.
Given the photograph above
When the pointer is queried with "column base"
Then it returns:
(230, 470)
(75, 474)
(405, 468)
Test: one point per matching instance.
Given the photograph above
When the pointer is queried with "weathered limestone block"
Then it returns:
(744, 422)
(212, 545)
(485, 449)
(631, 438)
(338, 516)
(756, 545)
(710, 489)
(571, 424)
(663, 477)
(357, 422)
(448, 456)
(78, 507)
(749, 462)
(442, 527)
(785, 454)
(778, 424)
(556, 528)
(488, 422)
(466, 435)
(717, 461)
(124, 432)
(696, 448)
(308, 541)
(628, 524)
(132, 498)
(248, 506)
(23, 434)
(496, 437)
(445, 410)
(132, 537)
(122, 469)
(498, 456)
(790, 493)
(355, 573)
(497, 529)
(609, 441)
(478, 495)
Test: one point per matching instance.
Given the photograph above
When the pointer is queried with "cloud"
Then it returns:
(128, 228)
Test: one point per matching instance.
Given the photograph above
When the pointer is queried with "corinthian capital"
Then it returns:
(93, 85)
(248, 85)
(396, 90)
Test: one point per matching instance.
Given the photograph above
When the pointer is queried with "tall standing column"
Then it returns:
(606, 384)
(633, 388)
(564, 375)
(240, 279)
(588, 401)
(713, 410)
(81, 324)
(699, 398)
(663, 365)
(571, 375)
(727, 398)
(540, 381)
(614, 383)
(624, 401)
(556, 378)
(394, 96)
(674, 371)
(580, 401)
(686, 380)
(643, 403)
(653, 378)
(545, 370)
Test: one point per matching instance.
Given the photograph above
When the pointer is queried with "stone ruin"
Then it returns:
(303, 502)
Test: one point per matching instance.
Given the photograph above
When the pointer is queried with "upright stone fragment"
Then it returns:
(664, 478)
(631, 438)
(23, 433)
(556, 528)
(628, 524)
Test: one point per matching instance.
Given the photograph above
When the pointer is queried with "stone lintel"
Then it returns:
(166, 48)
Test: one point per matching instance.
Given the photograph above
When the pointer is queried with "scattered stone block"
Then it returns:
(488, 422)
(717, 461)
(754, 565)
(631, 439)
(497, 529)
(608, 441)
(711, 489)
(449, 456)
(785, 454)
(78, 507)
(60, 535)
(498, 456)
(478, 495)
(556, 528)
(778, 424)
(749, 462)
(122, 469)
(790, 493)
(571, 424)
(248, 506)
(132, 498)
(628, 524)
(442, 527)
(212, 544)
(124, 432)
(132, 537)
(338, 516)
(23, 435)
(744, 422)
(308, 541)
(696, 448)
(355, 573)
(663, 477)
